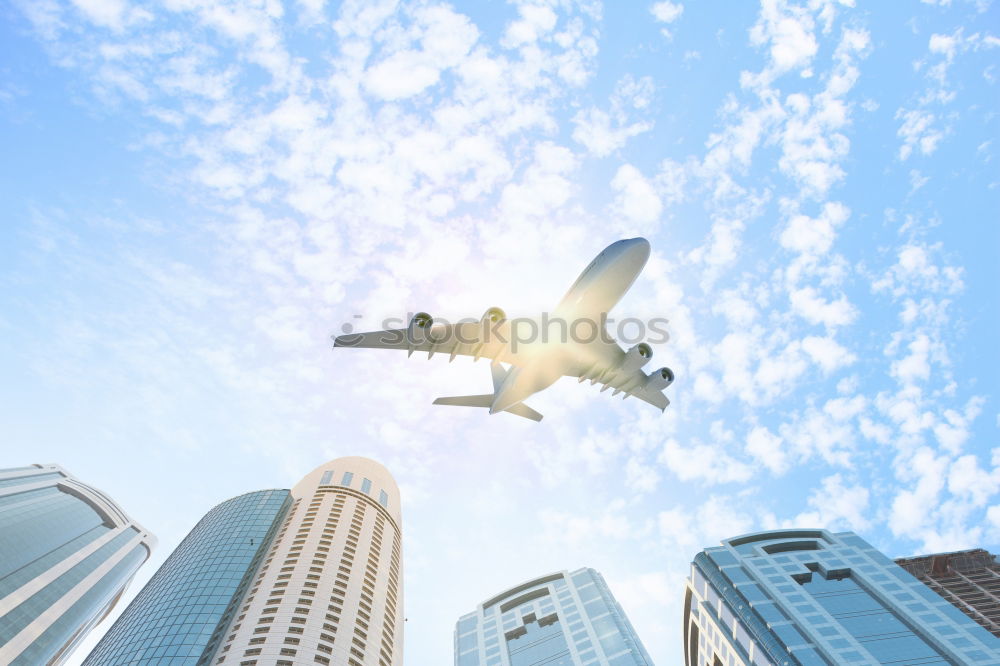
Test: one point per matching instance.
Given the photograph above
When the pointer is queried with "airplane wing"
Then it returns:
(602, 361)
(468, 338)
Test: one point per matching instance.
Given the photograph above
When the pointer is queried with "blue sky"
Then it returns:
(196, 195)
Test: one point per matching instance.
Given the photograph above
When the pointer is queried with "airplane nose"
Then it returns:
(638, 246)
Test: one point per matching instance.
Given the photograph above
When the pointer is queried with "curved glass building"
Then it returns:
(67, 552)
(814, 598)
(179, 616)
(563, 619)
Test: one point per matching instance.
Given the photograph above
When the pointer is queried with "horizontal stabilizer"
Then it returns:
(485, 400)
(522, 409)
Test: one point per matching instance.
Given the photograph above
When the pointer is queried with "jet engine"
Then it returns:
(419, 328)
(493, 316)
(636, 357)
(660, 379)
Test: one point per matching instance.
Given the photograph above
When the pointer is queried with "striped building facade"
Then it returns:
(67, 552)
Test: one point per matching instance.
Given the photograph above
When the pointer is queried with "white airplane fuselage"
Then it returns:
(598, 289)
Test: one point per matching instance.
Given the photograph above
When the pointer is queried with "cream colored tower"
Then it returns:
(330, 590)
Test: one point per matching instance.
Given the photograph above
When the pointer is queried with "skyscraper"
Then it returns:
(179, 617)
(969, 580)
(311, 576)
(330, 590)
(563, 619)
(811, 597)
(67, 552)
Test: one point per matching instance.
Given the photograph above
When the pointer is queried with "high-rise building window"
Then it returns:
(539, 622)
(383, 498)
(869, 621)
(538, 644)
(823, 598)
(366, 486)
(334, 533)
(237, 532)
(66, 554)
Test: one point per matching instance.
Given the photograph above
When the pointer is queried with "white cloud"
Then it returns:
(107, 13)
(819, 433)
(813, 144)
(707, 388)
(921, 128)
(536, 21)
(837, 506)
(953, 429)
(811, 306)
(703, 462)
(967, 479)
(845, 408)
(917, 132)
(766, 447)
(636, 200)
(914, 366)
(401, 75)
(666, 12)
(814, 236)
(789, 32)
(913, 509)
(827, 353)
(544, 188)
(739, 311)
(917, 273)
(604, 131)
(776, 372)
(580, 530)
(593, 129)
(445, 39)
(694, 528)
(641, 477)
(113, 14)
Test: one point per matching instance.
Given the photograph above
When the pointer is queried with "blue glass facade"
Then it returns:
(179, 617)
(66, 554)
(564, 619)
(813, 598)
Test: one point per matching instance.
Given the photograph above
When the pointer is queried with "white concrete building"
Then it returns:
(330, 590)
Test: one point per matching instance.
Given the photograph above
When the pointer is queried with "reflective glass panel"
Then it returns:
(878, 630)
(540, 645)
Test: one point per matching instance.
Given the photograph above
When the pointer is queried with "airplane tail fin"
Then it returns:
(499, 374)
(486, 399)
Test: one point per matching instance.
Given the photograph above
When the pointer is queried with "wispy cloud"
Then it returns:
(313, 162)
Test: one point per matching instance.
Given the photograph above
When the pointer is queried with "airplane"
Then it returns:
(536, 364)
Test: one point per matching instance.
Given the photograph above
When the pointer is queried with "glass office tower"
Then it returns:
(67, 552)
(814, 598)
(278, 578)
(563, 619)
(179, 617)
(969, 580)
